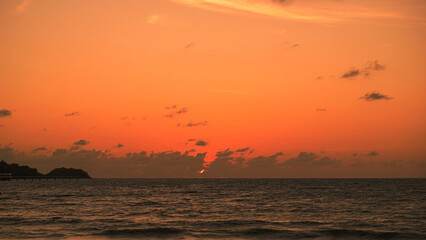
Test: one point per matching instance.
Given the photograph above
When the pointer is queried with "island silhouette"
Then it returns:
(14, 169)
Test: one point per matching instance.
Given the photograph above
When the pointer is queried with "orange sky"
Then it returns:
(275, 76)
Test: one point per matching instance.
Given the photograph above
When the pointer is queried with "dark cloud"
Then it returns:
(228, 165)
(1, 125)
(169, 164)
(191, 124)
(189, 45)
(173, 114)
(5, 113)
(182, 111)
(119, 145)
(72, 114)
(39, 149)
(81, 142)
(175, 164)
(224, 154)
(351, 73)
(295, 45)
(309, 160)
(318, 78)
(171, 107)
(366, 71)
(372, 154)
(192, 139)
(201, 143)
(355, 154)
(321, 109)
(73, 148)
(373, 96)
(240, 150)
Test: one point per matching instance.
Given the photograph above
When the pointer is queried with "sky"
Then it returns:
(215, 88)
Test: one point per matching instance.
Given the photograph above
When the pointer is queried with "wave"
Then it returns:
(143, 232)
(270, 233)
(145, 203)
(354, 233)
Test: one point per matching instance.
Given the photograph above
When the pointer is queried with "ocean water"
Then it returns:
(214, 209)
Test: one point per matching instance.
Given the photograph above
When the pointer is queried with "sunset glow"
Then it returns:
(215, 88)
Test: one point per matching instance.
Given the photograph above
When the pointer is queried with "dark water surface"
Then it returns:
(214, 209)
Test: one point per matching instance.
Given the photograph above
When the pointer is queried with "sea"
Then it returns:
(213, 209)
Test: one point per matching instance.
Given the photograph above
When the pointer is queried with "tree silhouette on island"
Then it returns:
(17, 170)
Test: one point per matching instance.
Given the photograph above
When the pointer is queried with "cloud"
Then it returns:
(310, 160)
(153, 19)
(72, 114)
(189, 45)
(1, 125)
(5, 113)
(73, 148)
(372, 154)
(224, 154)
(351, 73)
(182, 111)
(373, 96)
(171, 107)
(168, 164)
(240, 150)
(227, 163)
(267, 8)
(376, 66)
(23, 5)
(201, 143)
(283, 1)
(321, 109)
(192, 139)
(366, 70)
(81, 142)
(119, 145)
(295, 45)
(178, 112)
(191, 124)
(311, 11)
(39, 149)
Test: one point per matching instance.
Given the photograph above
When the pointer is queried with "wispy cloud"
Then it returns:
(39, 149)
(23, 5)
(373, 96)
(175, 113)
(241, 150)
(72, 114)
(191, 124)
(268, 8)
(153, 19)
(315, 11)
(364, 71)
(189, 45)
